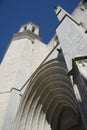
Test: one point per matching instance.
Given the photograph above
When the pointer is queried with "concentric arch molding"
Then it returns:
(49, 102)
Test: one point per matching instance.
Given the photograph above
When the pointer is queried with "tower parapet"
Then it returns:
(30, 27)
(28, 30)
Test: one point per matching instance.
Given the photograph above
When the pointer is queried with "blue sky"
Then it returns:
(14, 13)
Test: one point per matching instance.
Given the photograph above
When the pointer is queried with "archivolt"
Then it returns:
(49, 102)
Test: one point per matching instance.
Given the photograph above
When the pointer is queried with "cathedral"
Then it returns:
(44, 87)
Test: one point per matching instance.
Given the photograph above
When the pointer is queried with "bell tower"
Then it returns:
(30, 27)
(25, 53)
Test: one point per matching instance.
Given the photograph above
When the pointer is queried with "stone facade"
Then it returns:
(36, 91)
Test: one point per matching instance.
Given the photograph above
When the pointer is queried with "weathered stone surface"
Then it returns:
(21, 60)
(72, 40)
(4, 99)
(10, 110)
(80, 14)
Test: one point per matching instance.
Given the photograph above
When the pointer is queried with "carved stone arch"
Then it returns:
(49, 102)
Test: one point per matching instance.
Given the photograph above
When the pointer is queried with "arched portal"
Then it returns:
(49, 102)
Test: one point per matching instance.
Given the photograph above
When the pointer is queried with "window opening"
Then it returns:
(25, 28)
(33, 29)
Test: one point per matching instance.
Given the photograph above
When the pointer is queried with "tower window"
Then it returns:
(33, 29)
(25, 28)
